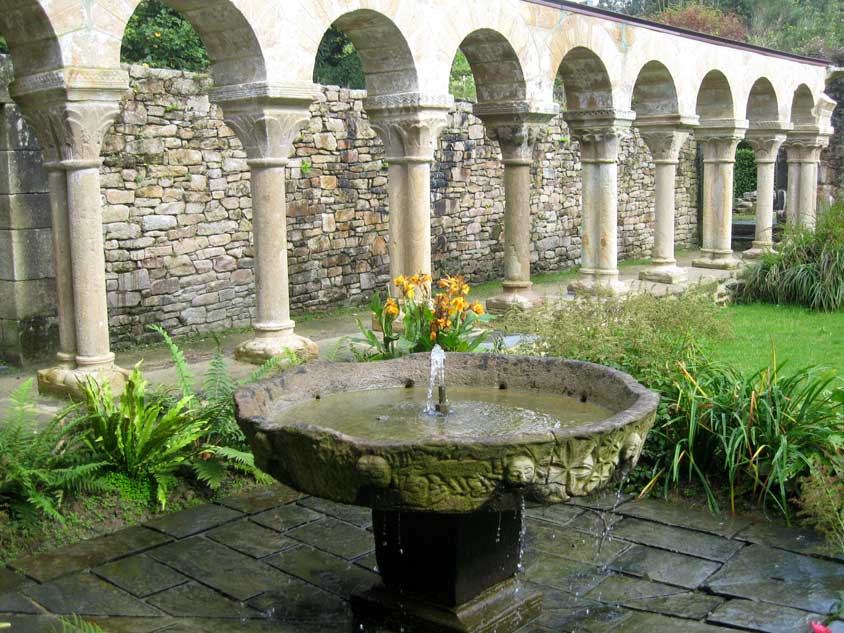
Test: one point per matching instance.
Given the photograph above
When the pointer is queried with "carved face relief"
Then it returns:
(521, 471)
(632, 448)
(579, 473)
(417, 490)
(375, 471)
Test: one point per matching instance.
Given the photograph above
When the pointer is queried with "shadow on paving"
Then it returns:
(275, 561)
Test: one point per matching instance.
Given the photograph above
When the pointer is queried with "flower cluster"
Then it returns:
(418, 319)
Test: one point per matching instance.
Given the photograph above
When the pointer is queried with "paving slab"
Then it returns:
(681, 516)
(232, 573)
(300, 602)
(131, 625)
(89, 554)
(561, 514)
(247, 537)
(329, 534)
(773, 575)
(10, 580)
(607, 500)
(572, 577)
(261, 499)
(140, 575)
(362, 517)
(673, 539)
(666, 567)
(31, 623)
(194, 521)
(561, 541)
(790, 539)
(195, 601)
(645, 595)
(770, 619)
(324, 570)
(86, 594)
(597, 522)
(15, 602)
(286, 517)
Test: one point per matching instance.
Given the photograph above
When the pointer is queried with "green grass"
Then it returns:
(801, 337)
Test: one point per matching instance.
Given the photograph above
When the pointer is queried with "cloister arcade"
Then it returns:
(616, 74)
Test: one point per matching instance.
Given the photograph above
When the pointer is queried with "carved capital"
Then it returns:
(599, 132)
(766, 144)
(805, 149)
(517, 136)
(72, 130)
(665, 143)
(720, 139)
(409, 124)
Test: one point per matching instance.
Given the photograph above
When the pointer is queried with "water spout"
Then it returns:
(438, 405)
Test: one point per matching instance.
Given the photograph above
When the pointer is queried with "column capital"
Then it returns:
(720, 138)
(766, 139)
(267, 117)
(71, 110)
(516, 126)
(805, 143)
(599, 132)
(409, 124)
(665, 135)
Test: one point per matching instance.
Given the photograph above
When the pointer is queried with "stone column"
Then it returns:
(792, 194)
(665, 140)
(599, 135)
(719, 158)
(804, 155)
(516, 133)
(71, 118)
(766, 142)
(267, 120)
(409, 126)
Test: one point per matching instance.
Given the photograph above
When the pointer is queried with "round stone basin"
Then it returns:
(545, 428)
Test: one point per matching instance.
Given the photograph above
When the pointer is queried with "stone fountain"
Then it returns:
(447, 483)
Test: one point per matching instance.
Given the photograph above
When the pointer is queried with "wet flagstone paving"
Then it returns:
(273, 561)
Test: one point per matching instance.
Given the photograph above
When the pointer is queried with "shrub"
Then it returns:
(745, 172)
(705, 19)
(822, 499)
(807, 270)
(446, 319)
(141, 436)
(159, 36)
(758, 433)
(38, 463)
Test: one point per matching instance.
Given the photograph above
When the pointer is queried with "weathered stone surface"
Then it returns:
(251, 539)
(666, 567)
(140, 575)
(324, 570)
(10, 580)
(85, 594)
(558, 514)
(334, 536)
(89, 554)
(462, 474)
(644, 595)
(195, 601)
(773, 619)
(15, 602)
(576, 546)
(677, 540)
(771, 575)
(355, 515)
(286, 517)
(193, 521)
(791, 539)
(682, 516)
(560, 573)
(217, 566)
(296, 601)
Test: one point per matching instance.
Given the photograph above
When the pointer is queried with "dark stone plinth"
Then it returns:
(448, 573)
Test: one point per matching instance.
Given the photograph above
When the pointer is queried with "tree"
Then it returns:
(159, 36)
(337, 61)
(462, 82)
(704, 19)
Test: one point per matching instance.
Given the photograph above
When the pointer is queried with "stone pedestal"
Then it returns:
(665, 138)
(448, 573)
(719, 157)
(766, 142)
(409, 126)
(516, 127)
(599, 134)
(267, 127)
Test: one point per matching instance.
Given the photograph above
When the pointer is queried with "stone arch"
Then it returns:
(388, 63)
(496, 67)
(803, 106)
(586, 81)
(30, 36)
(228, 35)
(655, 92)
(762, 104)
(715, 97)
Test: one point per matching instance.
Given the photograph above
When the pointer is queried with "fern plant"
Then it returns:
(40, 463)
(225, 446)
(142, 436)
(75, 624)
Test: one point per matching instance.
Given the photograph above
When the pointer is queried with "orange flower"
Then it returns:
(391, 308)
(459, 304)
(478, 309)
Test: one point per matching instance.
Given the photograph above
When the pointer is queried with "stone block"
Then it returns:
(25, 211)
(27, 299)
(15, 133)
(26, 254)
(119, 196)
(185, 157)
(22, 171)
(158, 222)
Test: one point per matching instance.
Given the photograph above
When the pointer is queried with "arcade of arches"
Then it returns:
(616, 75)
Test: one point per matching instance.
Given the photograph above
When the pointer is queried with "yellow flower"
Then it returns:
(415, 280)
(400, 281)
(459, 304)
(426, 279)
(433, 336)
(478, 309)
(157, 34)
(391, 308)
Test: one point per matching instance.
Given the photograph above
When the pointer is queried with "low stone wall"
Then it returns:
(177, 207)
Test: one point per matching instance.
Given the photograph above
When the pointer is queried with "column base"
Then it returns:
(592, 284)
(66, 382)
(520, 296)
(664, 274)
(759, 249)
(262, 349)
(717, 260)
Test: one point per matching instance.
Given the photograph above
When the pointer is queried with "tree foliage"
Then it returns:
(159, 36)
(4, 48)
(337, 62)
(704, 19)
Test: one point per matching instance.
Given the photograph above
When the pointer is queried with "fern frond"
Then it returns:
(75, 624)
(183, 373)
(212, 472)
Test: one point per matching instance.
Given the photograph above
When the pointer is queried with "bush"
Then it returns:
(160, 37)
(807, 270)
(745, 172)
(822, 499)
(38, 463)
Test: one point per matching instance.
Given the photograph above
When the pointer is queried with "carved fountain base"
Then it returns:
(448, 573)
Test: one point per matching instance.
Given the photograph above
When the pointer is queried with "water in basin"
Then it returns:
(400, 414)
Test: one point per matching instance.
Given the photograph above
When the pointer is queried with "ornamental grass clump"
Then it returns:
(806, 270)
(445, 317)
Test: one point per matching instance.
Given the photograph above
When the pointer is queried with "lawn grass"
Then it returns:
(801, 337)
